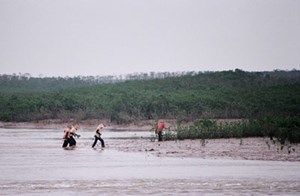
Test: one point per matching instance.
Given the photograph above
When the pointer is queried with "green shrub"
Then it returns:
(281, 128)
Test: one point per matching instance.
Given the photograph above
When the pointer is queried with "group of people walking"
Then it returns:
(70, 134)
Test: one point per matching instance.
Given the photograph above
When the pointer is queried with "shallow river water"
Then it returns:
(33, 163)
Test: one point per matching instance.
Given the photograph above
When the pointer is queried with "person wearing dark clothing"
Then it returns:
(98, 136)
(66, 137)
(73, 134)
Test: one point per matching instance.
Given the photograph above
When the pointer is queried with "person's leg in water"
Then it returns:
(72, 141)
(65, 144)
(159, 136)
(95, 142)
(102, 142)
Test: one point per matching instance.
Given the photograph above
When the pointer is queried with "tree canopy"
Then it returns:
(184, 96)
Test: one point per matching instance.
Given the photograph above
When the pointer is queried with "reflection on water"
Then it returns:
(33, 163)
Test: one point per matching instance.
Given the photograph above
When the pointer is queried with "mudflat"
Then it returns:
(245, 149)
(34, 163)
(135, 138)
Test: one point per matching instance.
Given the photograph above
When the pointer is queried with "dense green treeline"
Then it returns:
(185, 97)
(26, 83)
(13, 84)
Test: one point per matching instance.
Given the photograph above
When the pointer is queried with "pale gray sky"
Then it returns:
(102, 37)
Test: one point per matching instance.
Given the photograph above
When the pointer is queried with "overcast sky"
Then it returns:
(103, 37)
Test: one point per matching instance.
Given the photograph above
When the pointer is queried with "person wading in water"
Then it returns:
(66, 136)
(74, 134)
(97, 136)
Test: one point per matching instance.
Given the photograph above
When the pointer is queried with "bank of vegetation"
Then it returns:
(281, 129)
(236, 94)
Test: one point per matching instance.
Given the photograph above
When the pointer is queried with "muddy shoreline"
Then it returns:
(232, 148)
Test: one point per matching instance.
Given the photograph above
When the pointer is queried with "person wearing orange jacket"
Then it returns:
(159, 129)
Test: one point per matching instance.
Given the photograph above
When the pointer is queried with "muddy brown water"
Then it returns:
(33, 163)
